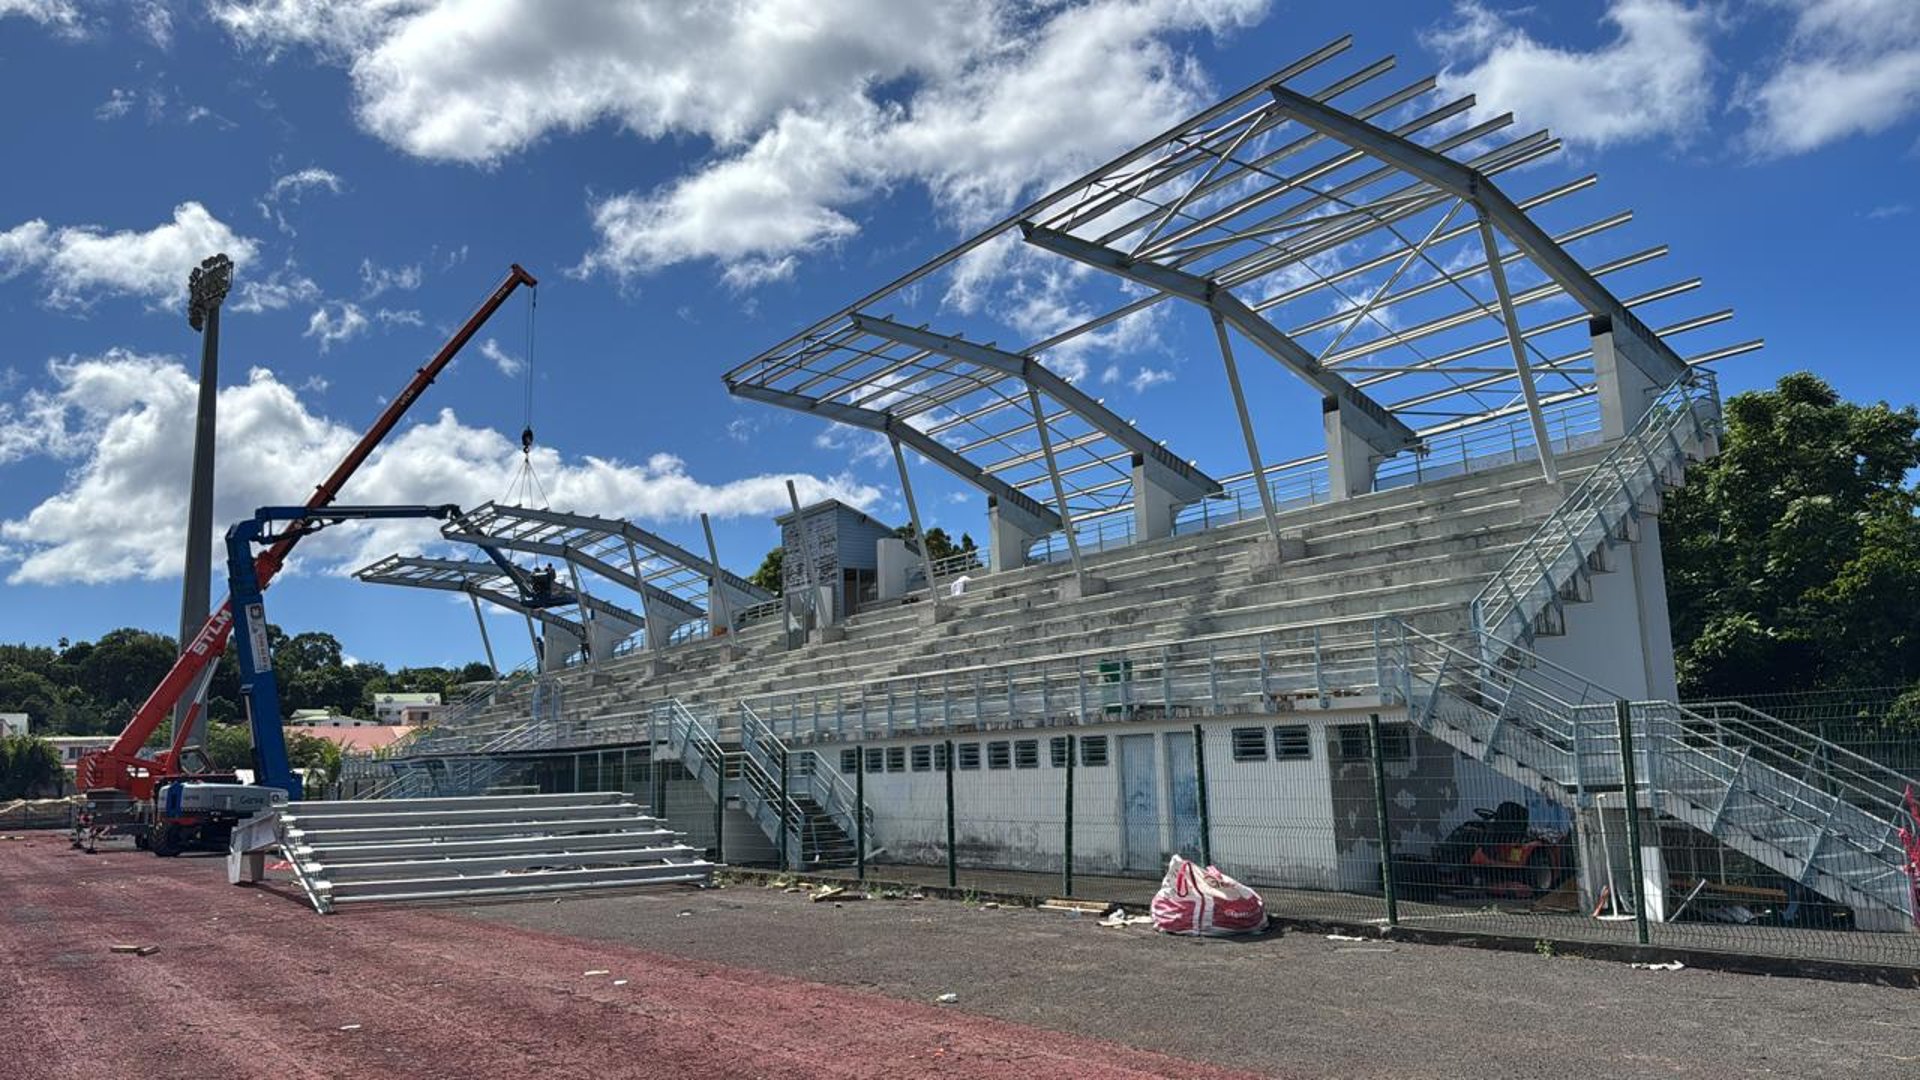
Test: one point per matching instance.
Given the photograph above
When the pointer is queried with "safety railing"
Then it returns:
(809, 773)
(1572, 425)
(1245, 671)
(1679, 422)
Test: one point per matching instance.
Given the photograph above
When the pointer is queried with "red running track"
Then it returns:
(248, 983)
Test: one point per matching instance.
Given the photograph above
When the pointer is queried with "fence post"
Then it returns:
(860, 813)
(1200, 782)
(1380, 816)
(1623, 712)
(720, 811)
(953, 867)
(786, 818)
(1066, 872)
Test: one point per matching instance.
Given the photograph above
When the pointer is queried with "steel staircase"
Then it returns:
(1812, 811)
(363, 851)
(814, 809)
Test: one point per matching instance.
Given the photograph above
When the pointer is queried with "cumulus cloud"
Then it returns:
(810, 106)
(336, 321)
(119, 102)
(123, 424)
(79, 264)
(1147, 378)
(1654, 79)
(1852, 67)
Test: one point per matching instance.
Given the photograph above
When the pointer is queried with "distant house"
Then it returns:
(407, 709)
(326, 718)
(72, 747)
(13, 723)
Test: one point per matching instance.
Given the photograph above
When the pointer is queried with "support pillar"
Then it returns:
(1154, 507)
(1350, 462)
(1624, 389)
(1007, 542)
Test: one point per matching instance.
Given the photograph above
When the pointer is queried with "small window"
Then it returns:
(999, 755)
(968, 755)
(1396, 742)
(940, 757)
(1093, 751)
(849, 761)
(922, 758)
(1057, 751)
(1249, 744)
(896, 759)
(876, 760)
(1026, 754)
(1292, 742)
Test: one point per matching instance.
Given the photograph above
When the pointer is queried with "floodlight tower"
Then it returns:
(206, 287)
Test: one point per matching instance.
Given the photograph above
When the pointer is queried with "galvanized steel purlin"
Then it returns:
(1325, 198)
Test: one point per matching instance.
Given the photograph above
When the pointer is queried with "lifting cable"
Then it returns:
(526, 484)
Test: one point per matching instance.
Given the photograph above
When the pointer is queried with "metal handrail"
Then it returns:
(1631, 461)
(825, 784)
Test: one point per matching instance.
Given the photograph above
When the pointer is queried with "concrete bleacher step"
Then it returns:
(480, 846)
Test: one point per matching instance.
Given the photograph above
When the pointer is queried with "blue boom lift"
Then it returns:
(200, 812)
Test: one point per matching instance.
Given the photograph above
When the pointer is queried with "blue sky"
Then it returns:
(692, 187)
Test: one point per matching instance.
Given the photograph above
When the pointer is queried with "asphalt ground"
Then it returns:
(1294, 1004)
(748, 981)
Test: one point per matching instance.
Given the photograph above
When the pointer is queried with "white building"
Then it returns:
(13, 723)
(396, 710)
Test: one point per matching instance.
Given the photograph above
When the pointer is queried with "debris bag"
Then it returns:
(1192, 900)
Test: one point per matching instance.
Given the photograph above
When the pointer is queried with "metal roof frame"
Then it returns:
(1353, 231)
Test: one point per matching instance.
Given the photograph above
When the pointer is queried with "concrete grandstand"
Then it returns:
(1207, 649)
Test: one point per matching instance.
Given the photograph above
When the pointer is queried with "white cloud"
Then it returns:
(124, 422)
(1653, 79)
(290, 189)
(119, 102)
(1147, 378)
(336, 321)
(509, 364)
(810, 106)
(62, 15)
(81, 263)
(1852, 67)
(407, 317)
(155, 20)
(281, 289)
(1890, 210)
(376, 279)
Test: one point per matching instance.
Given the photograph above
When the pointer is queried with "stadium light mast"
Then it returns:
(207, 287)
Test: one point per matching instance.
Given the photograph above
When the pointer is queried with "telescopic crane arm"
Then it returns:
(121, 765)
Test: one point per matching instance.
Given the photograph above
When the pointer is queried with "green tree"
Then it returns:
(768, 575)
(320, 757)
(1793, 558)
(29, 768)
(229, 746)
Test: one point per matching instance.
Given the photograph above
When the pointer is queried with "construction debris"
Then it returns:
(1674, 966)
(595, 971)
(1076, 907)
(828, 892)
(1119, 918)
(135, 950)
(947, 998)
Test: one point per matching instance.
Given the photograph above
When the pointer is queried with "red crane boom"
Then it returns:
(120, 766)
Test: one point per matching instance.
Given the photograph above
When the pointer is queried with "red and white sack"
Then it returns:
(1196, 901)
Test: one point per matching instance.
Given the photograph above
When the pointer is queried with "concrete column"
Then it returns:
(1154, 507)
(560, 644)
(1350, 461)
(1623, 386)
(1007, 543)
(1656, 630)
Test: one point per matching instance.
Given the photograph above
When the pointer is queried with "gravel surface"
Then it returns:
(1293, 1005)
